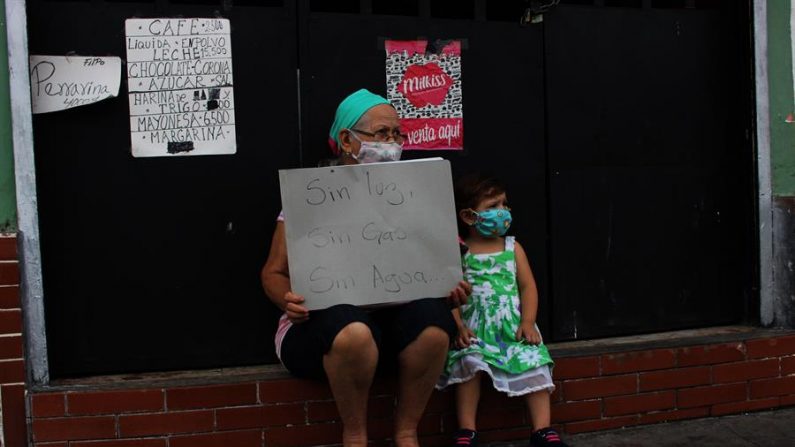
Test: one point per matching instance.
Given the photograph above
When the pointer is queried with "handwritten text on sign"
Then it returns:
(369, 234)
(63, 82)
(179, 75)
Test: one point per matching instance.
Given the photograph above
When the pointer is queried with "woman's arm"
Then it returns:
(275, 278)
(528, 296)
(460, 294)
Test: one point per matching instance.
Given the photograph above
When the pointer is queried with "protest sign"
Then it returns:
(372, 233)
(62, 82)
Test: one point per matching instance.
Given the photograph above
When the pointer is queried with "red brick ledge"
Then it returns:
(262, 406)
(671, 339)
(170, 378)
(583, 348)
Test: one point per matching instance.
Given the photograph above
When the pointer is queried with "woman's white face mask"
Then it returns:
(375, 151)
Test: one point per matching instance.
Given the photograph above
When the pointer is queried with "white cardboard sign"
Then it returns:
(372, 233)
(62, 82)
(179, 77)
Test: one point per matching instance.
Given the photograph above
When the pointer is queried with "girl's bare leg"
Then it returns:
(467, 396)
(538, 406)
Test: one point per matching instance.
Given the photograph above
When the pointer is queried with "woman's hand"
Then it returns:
(527, 332)
(459, 296)
(464, 337)
(295, 310)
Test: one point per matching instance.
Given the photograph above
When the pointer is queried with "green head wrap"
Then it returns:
(349, 111)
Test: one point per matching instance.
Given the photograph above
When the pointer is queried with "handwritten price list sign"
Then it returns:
(370, 234)
(179, 77)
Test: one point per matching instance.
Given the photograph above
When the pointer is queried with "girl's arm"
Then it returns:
(464, 333)
(528, 296)
(275, 278)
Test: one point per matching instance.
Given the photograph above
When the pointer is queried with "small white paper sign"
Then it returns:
(372, 233)
(179, 77)
(62, 82)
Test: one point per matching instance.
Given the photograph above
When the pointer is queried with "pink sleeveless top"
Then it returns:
(284, 323)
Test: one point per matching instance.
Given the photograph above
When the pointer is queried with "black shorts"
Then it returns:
(393, 328)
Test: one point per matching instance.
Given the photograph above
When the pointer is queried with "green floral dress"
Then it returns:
(493, 314)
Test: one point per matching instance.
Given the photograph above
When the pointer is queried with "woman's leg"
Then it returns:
(339, 344)
(350, 365)
(467, 396)
(420, 365)
(538, 406)
(420, 333)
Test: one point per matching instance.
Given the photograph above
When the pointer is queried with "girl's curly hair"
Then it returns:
(470, 190)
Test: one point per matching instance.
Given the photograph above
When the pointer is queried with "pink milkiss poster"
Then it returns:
(425, 88)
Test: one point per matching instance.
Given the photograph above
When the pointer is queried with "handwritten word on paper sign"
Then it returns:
(424, 85)
(179, 77)
(370, 234)
(62, 82)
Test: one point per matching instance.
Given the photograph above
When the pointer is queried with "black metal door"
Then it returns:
(622, 134)
(153, 263)
(502, 83)
(651, 178)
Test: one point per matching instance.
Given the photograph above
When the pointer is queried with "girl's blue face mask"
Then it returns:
(492, 222)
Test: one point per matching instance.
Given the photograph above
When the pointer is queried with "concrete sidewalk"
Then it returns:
(767, 428)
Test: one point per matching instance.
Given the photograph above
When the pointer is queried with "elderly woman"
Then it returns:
(343, 344)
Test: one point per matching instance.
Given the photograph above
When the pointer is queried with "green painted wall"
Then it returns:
(8, 203)
(782, 98)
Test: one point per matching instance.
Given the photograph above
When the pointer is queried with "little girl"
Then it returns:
(497, 332)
